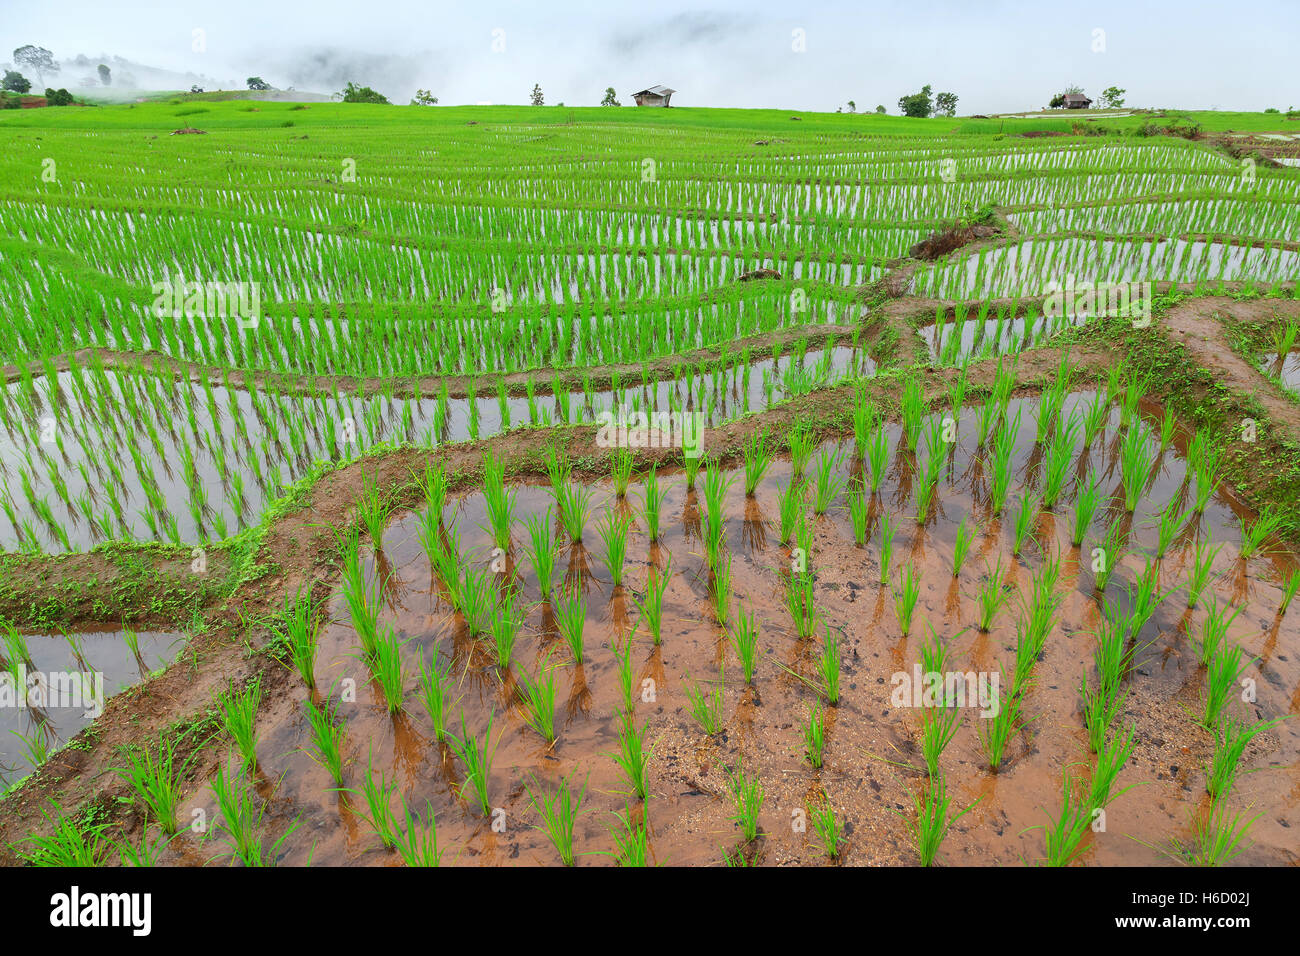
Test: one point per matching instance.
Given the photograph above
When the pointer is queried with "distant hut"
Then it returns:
(654, 96)
(1077, 101)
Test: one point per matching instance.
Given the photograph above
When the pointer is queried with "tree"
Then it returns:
(424, 98)
(537, 95)
(853, 107)
(59, 97)
(881, 109)
(15, 82)
(37, 59)
(609, 99)
(257, 83)
(1057, 102)
(1113, 97)
(945, 104)
(105, 75)
(917, 104)
(362, 94)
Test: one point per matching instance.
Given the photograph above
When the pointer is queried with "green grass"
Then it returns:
(933, 819)
(559, 812)
(154, 776)
(326, 739)
(706, 706)
(748, 794)
(476, 758)
(744, 638)
(239, 717)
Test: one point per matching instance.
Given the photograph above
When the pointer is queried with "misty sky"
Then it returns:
(997, 56)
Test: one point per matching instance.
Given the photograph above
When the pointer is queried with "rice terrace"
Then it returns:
(547, 485)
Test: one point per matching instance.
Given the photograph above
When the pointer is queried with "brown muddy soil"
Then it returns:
(873, 765)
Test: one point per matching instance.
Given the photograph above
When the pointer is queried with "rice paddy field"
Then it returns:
(546, 486)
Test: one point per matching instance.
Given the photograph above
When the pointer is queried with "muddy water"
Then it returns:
(873, 764)
(64, 674)
(267, 452)
(989, 336)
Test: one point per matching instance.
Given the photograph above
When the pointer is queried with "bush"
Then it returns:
(362, 94)
(59, 97)
(15, 82)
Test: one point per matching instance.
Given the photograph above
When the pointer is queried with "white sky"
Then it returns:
(997, 55)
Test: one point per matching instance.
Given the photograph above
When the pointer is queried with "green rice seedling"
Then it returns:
(475, 600)
(799, 601)
(559, 813)
(865, 418)
(498, 501)
(575, 507)
(1085, 509)
(477, 759)
(388, 670)
(1202, 567)
(758, 458)
(1111, 759)
(651, 606)
(631, 840)
(828, 667)
(241, 813)
(444, 556)
(707, 706)
(327, 740)
(1205, 464)
(1145, 597)
(541, 551)
(744, 638)
(1026, 520)
(435, 691)
(802, 443)
(374, 510)
(1218, 837)
(1004, 447)
(155, 778)
(1063, 836)
(878, 457)
(937, 730)
(1214, 630)
(1268, 522)
(789, 502)
(905, 598)
(418, 844)
(1290, 585)
(1285, 338)
(435, 491)
(803, 536)
(633, 758)
(1113, 656)
(239, 717)
(749, 795)
(992, 595)
(67, 843)
(827, 485)
(362, 597)
(1231, 739)
(886, 547)
(987, 418)
(1095, 417)
(558, 469)
(857, 501)
(934, 818)
(627, 684)
(814, 737)
(995, 731)
(1056, 467)
(826, 827)
(300, 631)
(571, 619)
(1100, 708)
(378, 797)
(913, 407)
(613, 534)
(1168, 425)
(1111, 553)
(652, 507)
(538, 696)
(504, 623)
(961, 545)
(1221, 682)
(621, 463)
(721, 590)
(1136, 461)
(691, 465)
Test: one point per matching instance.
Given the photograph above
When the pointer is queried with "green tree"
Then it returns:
(610, 99)
(105, 75)
(37, 60)
(424, 98)
(15, 82)
(853, 107)
(362, 94)
(917, 104)
(945, 104)
(59, 97)
(1113, 97)
(881, 109)
(537, 98)
(257, 83)
(1057, 102)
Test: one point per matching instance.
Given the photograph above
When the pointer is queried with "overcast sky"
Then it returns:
(997, 56)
